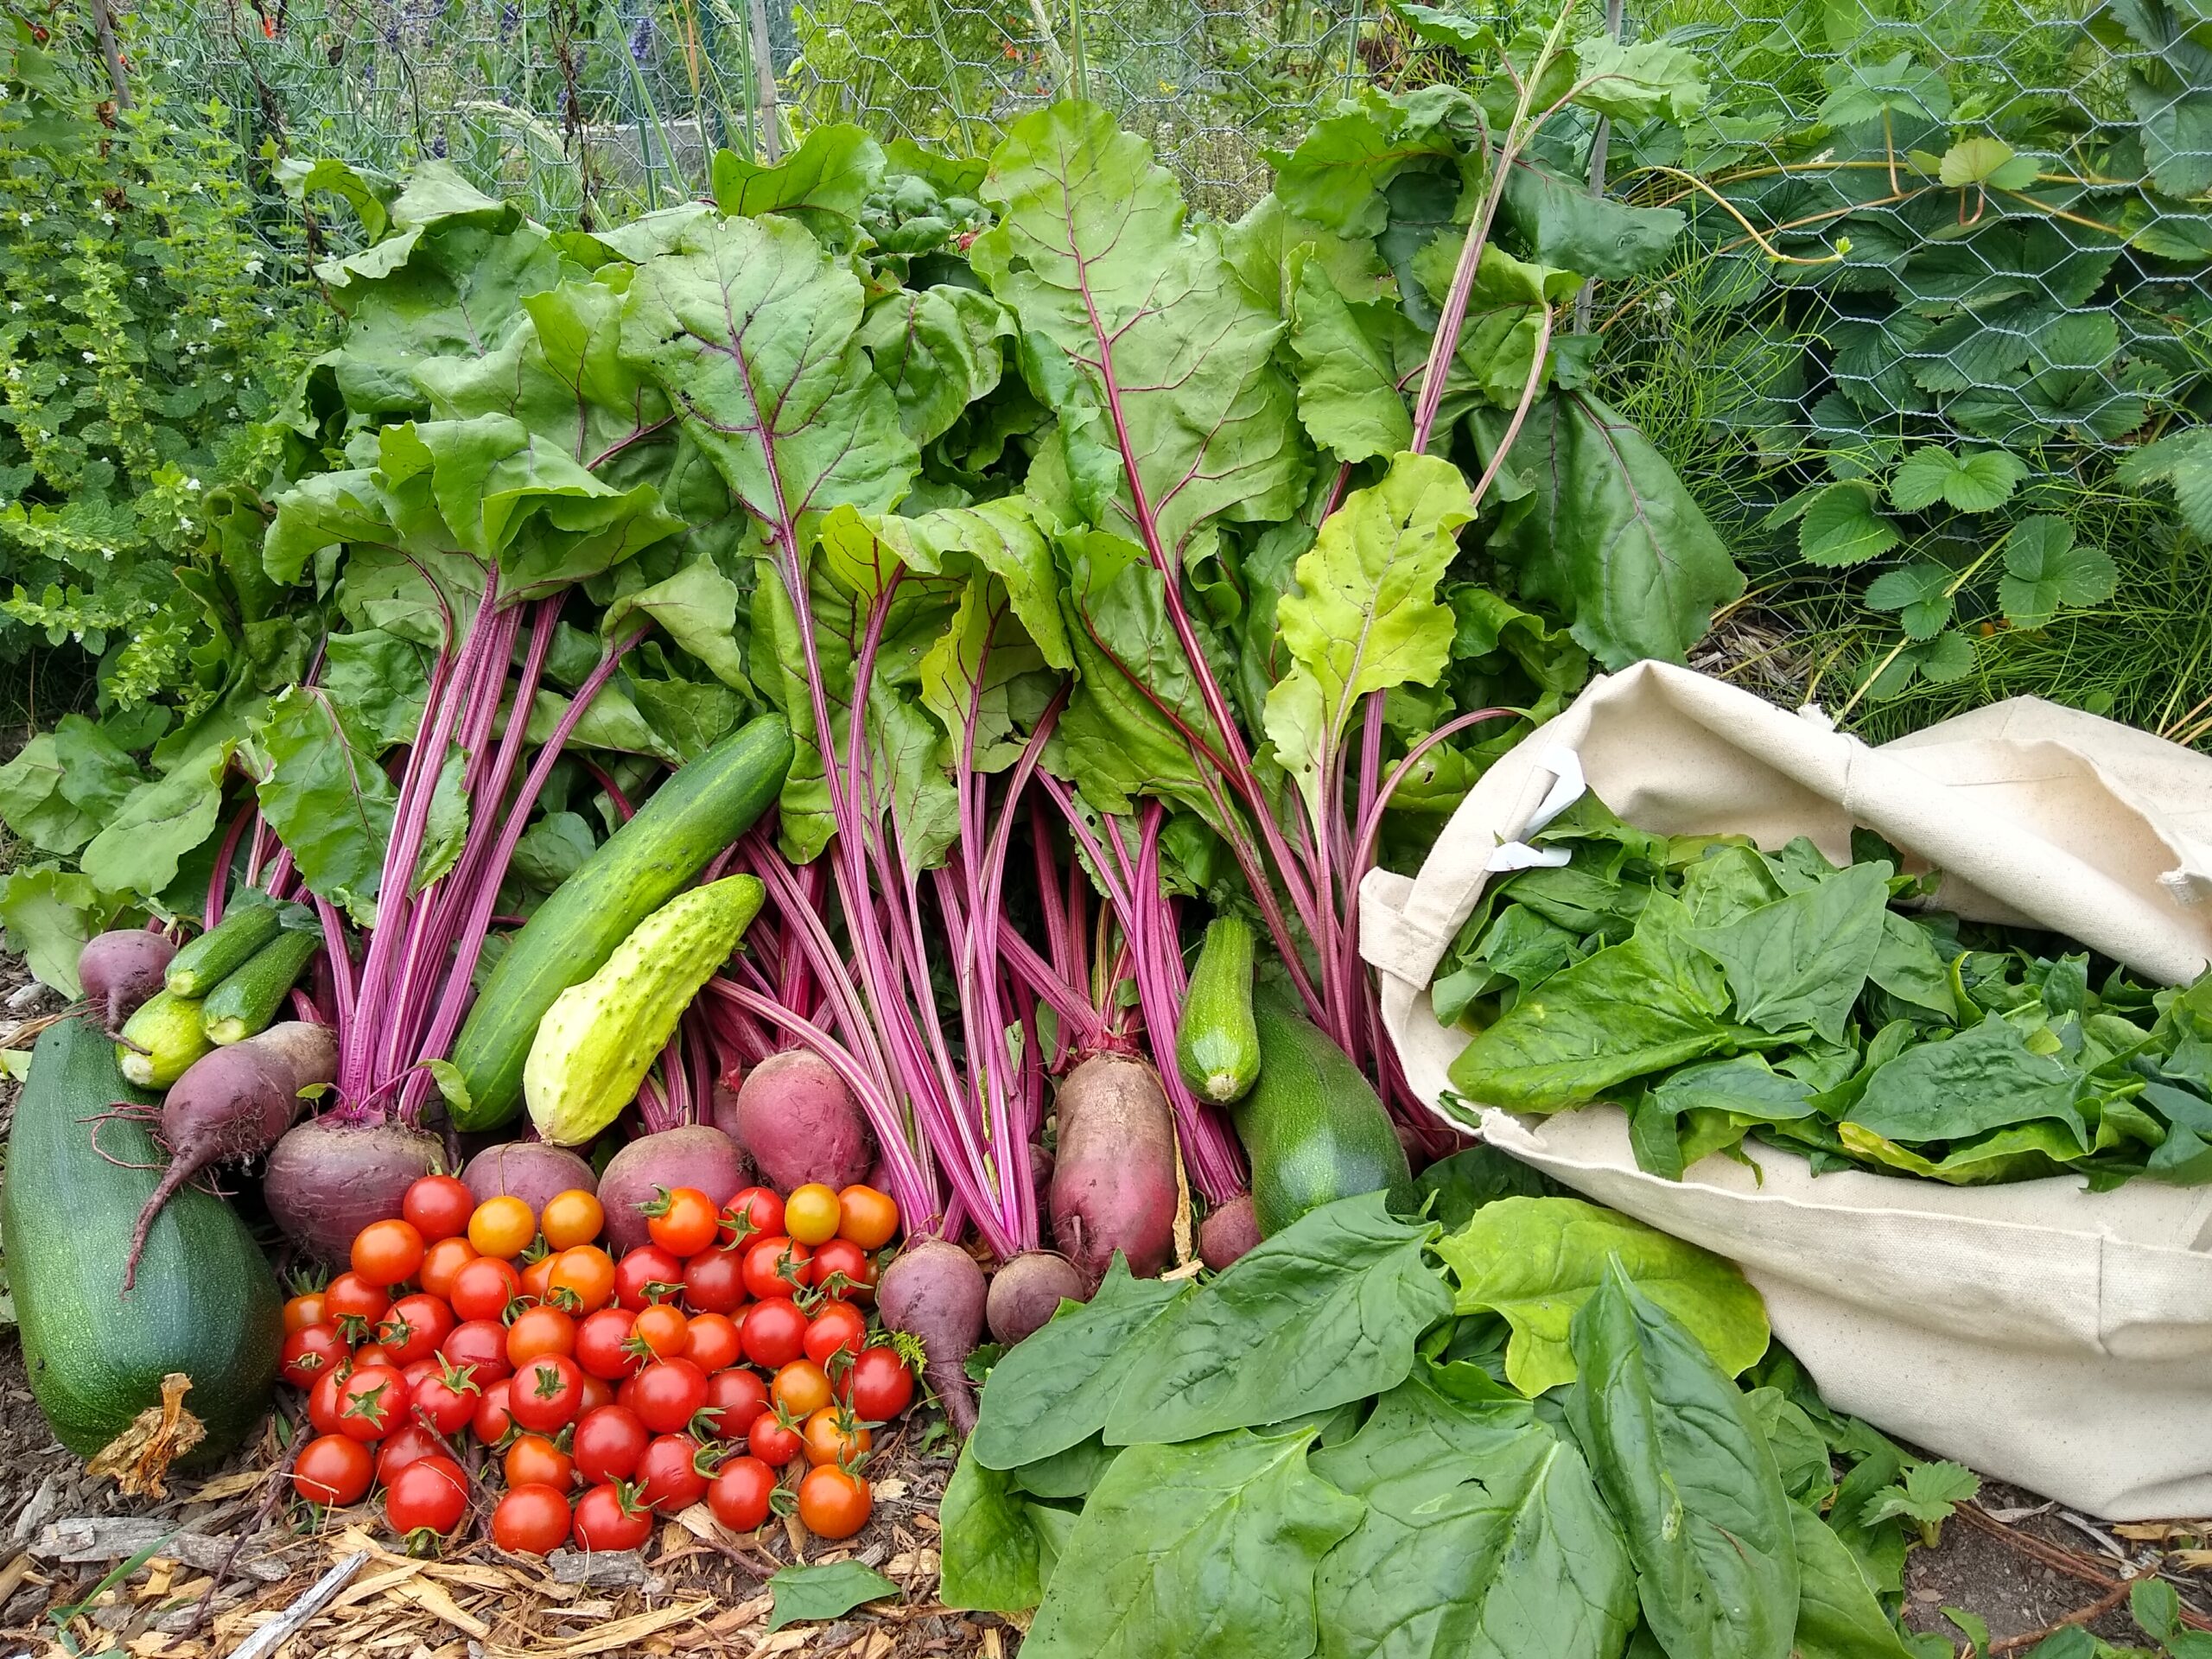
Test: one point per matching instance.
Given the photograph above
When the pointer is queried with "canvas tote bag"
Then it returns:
(2055, 1338)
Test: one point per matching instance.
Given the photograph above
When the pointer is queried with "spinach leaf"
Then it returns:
(1802, 960)
(1652, 1002)
(828, 1591)
(1209, 1547)
(1688, 1476)
(1483, 1535)
(1465, 1182)
(1745, 1086)
(1538, 1261)
(1986, 1078)
(1070, 1473)
(1909, 968)
(1054, 1391)
(1326, 1311)
(1838, 1616)
(988, 1543)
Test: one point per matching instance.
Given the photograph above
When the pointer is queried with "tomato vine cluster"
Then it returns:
(732, 1349)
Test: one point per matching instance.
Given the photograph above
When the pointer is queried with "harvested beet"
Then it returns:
(722, 1102)
(309, 1049)
(530, 1170)
(328, 1177)
(1028, 1291)
(934, 1291)
(798, 1122)
(120, 970)
(228, 1106)
(1228, 1232)
(1114, 1171)
(691, 1156)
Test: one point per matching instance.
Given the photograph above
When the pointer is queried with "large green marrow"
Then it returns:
(205, 1302)
(643, 864)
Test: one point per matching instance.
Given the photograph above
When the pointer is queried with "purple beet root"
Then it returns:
(530, 1170)
(692, 1156)
(328, 1179)
(1028, 1291)
(1228, 1232)
(934, 1291)
(120, 970)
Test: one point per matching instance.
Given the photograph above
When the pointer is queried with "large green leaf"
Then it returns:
(989, 1544)
(1537, 1260)
(325, 797)
(378, 679)
(1348, 393)
(1802, 960)
(1985, 1077)
(1326, 1311)
(697, 608)
(33, 803)
(1364, 615)
(1091, 253)
(2045, 569)
(1838, 1616)
(938, 350)
(1482, 1538)
(49, 914)
(824, 181)
(1689, 1478)
(1606, 534)
(157, 823)
(1208, 1548)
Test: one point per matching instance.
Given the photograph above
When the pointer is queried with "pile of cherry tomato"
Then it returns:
(731, 1350)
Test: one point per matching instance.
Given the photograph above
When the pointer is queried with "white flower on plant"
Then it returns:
(26, 217)
(191, 484)
(108, 219)
(91, 357)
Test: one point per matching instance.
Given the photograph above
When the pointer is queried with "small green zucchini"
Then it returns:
(1217, 1044)
(160, 1041)
(596, 1041)
(248, 1001)
(223, 949)
(1314, 1125)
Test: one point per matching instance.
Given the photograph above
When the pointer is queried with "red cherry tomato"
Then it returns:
(410, 1443)
(351, 1297)
(878, 1387)
(484, 1286)
(712, 1345)
(531, 1521)
(308, 1354)
(668, 1478)
(438, 1206)
(372, 1402)
(303, 1311)
(374, 1353)
(682, 1220)
(597, 1391)
(776, 1266)
(332, 1469)
(386, 1252)
(714, 1282)
(609, 1443)
(492, 1422)
(415, 1327)
(755, 1212)
(481, 1345)
(610, 1518)
(417, 1372)
(660, 1331)
(538, 1331)
(669, 1392)
(544, 1392)
(773, 1332)
(739, 1492)
(603, 1344)
(429, 1496)
(447, 1400)
(842, 1267)
(832, 1503)
(772, 1440)
(734, 1398)
(324, 1402)
(533, 1460)
(647, 1274)
(836, 1327)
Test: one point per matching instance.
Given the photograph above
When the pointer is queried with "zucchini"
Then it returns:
(205, 1304)
(1216, 1044)
(249, 999)
(223, 949)
(160, 1041)
(597, 1040)
(1314, 1126)
(643, 864)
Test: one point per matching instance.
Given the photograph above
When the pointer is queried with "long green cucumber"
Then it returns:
(1314, 1127)
(160, 1041)
(205, 1302)
(248, 1001)
(643, 864)
(223, 949)
(1217, 1044)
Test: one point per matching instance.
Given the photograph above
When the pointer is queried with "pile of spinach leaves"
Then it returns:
(1715, 991)
(1338, 1447)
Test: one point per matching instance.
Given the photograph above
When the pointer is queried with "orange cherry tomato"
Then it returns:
(711, 1343)
(539, 1330)
(834, 1503)
(801, 1388)
(662, 1330)
(303, 1311)
(867, 1216)
(533, 1460)
(537, 1279)
(503, 1227)
(832, 1436)
(682, 1221)
(387, 1252)
(583, 1279)
(441, 1265)
(571, 1219)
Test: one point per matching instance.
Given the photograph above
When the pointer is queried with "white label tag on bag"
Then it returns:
(1567, 786)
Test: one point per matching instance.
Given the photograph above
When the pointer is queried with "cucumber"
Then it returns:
(223, 949)
(247, 1001)
(1216, 1044)
(205, 1303)
(596, 1042)
(1314, 1127)
(643, 864)
(160, 1041)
